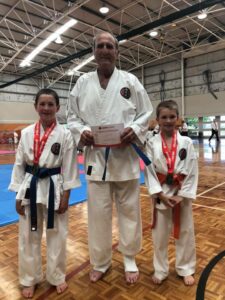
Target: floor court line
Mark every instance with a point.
(211, 198)
(210, 207)
(216, 186)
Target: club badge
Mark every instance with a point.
(125, 92)
(55, 148)
(182, 154)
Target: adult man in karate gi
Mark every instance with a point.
(105, 97)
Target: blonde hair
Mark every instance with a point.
(170, 104)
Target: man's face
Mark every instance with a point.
(105, 51)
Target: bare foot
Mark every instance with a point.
(131, 277)
(95, 275)
(28, 291)
(188, 280)
(61, 287)
(156, 280)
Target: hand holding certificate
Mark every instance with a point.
(107, 135)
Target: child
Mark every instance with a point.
(172, 182)
(44, 172)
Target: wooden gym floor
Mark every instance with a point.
(209, 217)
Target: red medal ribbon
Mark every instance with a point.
(170, 154)
(40, 144)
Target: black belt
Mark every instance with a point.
(41, 173)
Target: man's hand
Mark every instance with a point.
(20, 208)
(128, 135)
(86, 138)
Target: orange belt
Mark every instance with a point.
(177, 179)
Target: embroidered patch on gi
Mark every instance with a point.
(55, 148)
(182, 154)
(125, 92)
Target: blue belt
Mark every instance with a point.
(140, 153)
(41, 173)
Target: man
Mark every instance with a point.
(109, 96)
(214, 128)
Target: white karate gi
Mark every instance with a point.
(91, 105)
(30, 270)
(185, 245)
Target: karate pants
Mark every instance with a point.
(185, 245)
(100, 201)
(30, 263)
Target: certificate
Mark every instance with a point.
(107, 135)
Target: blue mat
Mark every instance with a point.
(8, 212)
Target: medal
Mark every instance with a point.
(170, 155)
(169, 178)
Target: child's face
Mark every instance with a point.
(46, 108)
(167, 120)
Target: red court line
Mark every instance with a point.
(77, 270)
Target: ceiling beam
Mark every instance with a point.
(135, 32)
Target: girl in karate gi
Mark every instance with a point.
(45, 171)
(172, 183)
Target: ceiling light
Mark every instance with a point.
(202, 15)
(59, 40)
(25, 64)
(104, 9)
(153, 33)
(122, 41)
(81, 65)
(46, 42)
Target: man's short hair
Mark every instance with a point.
(105, 32)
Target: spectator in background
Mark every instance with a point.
(215, 130)
(184, 128)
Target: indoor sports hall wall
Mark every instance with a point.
(162, 80)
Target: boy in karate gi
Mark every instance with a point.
(44, 172)
(172, 180)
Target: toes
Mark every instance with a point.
(95, 275)
(28, 292)
(131, 277)
(189, 280)
(61, 288)
(156, 280)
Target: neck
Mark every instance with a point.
(105, 73)
(168, 135)
(47, 124)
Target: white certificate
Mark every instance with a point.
(107, 135)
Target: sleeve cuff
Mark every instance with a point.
(71, 185)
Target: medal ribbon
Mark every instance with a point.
(40, 144)
(170, 154)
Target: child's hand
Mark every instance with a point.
(166, 200)
(20, 208)
(175, 199)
